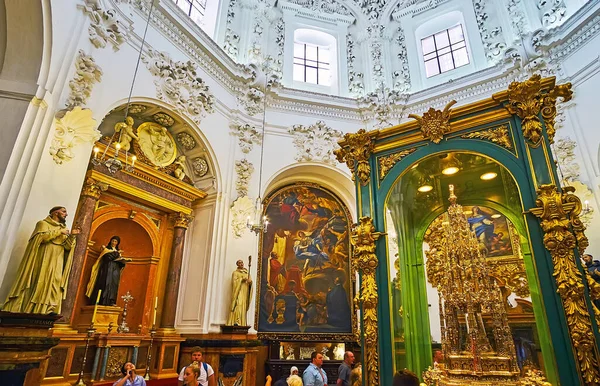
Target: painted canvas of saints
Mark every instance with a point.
(304, 269)
(491, 229)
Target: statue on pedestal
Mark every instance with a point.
(240, 296)
(106, 273)
(43, 274)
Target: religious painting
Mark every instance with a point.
(304, 265)
(491, 229)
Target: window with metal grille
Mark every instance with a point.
(312, 64)
(444, 51)
(195, 9)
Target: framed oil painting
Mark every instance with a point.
(491, 229)
(305, 286)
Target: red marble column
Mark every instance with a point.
(90, 194)
(167, 319)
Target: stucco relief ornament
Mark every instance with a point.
(200, 166)
(242, 209)
(244, 170)
(179, 85)
(315, 142)
(105, 26)
(186, 141)
(251, 99)
(87, 73)
(247, 135)
(355, 150)
(75, 127)
(435, 123)
(163, 119)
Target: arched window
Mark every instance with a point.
(444, 51)
(314, 60)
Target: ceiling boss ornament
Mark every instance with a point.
(355, 150)
(557, 213)
(435, 123)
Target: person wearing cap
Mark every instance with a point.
(42, 278)
(294, 379)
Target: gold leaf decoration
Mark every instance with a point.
(387, 162)
(549, 106)
(365, 261)
(526, 100)
(435, 123)
(498, 135)
(558, 212)
(355, 150)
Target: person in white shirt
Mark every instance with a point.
(207, 374)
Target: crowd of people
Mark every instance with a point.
(199, 373)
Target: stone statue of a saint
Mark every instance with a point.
(106, 273)
(43, 274)
(161, 143)
(240, 296)
(126, 133)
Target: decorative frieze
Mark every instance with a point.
(315, 143)
(178, 84)
(490, 30)
(87, 73)
(75, 127)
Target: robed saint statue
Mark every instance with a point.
(106, 273)
(240, 296)
(43, 274)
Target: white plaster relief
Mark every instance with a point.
(315, 142)
(552, 12)
(251, 99)
(105, 25)
(490, 30)
(356, 85)
(243, 170)
(568, 168)
(402, 77)
(241, 209)
(179, 85)
(71, 129)
(87, 73)
(247, 135)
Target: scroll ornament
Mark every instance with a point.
(435, 123)
(365, 261)
(526, 100)
(558, 212)
(355, 152)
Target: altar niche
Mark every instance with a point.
(415, 220)
(402, 188)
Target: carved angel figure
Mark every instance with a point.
(179, 171)
(126, 133)
(161, 144)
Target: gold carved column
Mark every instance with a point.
(90, 194)
(559, 213)
(172, 285)
(365, 261)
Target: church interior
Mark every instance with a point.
(299, 192)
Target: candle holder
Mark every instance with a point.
(123, 326)
(90, 332)
(149, 355)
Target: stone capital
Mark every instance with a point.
(93, 188)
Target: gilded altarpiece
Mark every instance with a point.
(497, 154)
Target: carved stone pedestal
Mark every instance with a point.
(104, 317)
(165, 355)
(24, 344)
